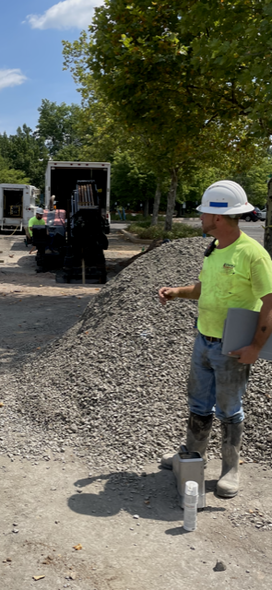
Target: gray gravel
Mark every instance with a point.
(251, 517)
(114, 386)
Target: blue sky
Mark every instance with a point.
(31, 56)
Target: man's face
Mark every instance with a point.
(208, 223)
(39, 216)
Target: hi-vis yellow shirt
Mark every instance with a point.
(236, 276)
(34, 221)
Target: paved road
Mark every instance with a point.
(116, 225)
(253, 229)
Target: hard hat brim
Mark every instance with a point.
(228, 211)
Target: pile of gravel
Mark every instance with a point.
(114, 386)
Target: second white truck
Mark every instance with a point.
(17, 205)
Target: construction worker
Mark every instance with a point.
(237, 272)
(36, 220)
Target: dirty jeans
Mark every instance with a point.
(216, 382)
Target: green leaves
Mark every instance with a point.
(9, 175)
(191, 79)
(26, 154)
(57, 125)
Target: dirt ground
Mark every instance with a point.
(36, 309)
(128, 527)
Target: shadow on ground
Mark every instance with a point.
(31, 322)
(153, 496)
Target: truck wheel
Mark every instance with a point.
(247, 218)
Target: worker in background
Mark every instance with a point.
(121, 212)
(36, 220)
(237, 272)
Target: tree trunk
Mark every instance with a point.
(171, 199)
(146, 208)
(268, 221)
(156, 205)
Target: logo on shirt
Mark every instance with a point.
(228, 268)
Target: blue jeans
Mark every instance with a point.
(217, 382)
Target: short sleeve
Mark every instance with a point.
(261, 276)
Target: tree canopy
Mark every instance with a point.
(9, 175)
(24, 152)
(131, 183)
(171, 72)
(58, 127)
(209, 58)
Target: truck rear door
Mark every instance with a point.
(13, 203)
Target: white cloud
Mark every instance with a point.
(66, 14)
(10, 78)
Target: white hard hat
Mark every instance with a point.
(225, 197)
(40, 211)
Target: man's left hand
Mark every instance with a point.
(246, 355)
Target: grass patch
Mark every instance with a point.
(140, 225)
(146, 231)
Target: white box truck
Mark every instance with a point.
(61, 180)
(17, 205)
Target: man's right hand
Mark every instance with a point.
(167, 293)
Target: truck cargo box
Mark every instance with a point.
(61, 181)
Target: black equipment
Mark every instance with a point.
(74, 247)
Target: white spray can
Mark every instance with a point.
(190, 505)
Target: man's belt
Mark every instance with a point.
(212, 339)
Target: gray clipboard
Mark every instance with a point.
(239, 329)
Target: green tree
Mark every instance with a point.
(230, 46)
(26, 153)
(131, 183)
(255, 180)
(148, 66)
(97, 125)
(161, 130)
(58, 128)
(9, 175)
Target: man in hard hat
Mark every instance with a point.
(36, 220)
(237, 272)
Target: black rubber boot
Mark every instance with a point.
(228, 484)
(198, 434)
